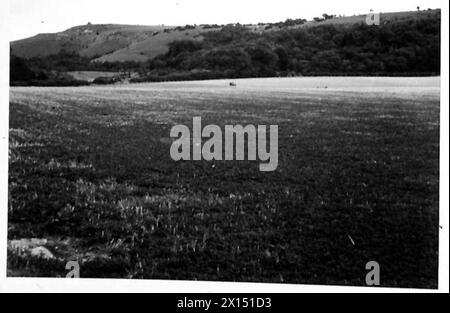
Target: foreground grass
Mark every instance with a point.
(357, 181)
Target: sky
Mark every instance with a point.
(31, 17)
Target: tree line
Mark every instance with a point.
(406, 48)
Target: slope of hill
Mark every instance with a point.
(404, 44)
(384, 18)
(121, 43)
(106, 43)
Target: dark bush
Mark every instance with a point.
(106, 80)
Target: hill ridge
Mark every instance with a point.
(139, 43)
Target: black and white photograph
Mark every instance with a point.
(276, 143)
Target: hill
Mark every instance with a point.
(122, 43)
(107, 43)
(404, 44)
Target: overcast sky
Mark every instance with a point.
(30, 17)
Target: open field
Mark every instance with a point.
(357, 181)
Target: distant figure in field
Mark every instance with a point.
(233, 84)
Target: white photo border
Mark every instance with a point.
(149, 286)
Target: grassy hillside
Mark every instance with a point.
(111, 43)
(405, 44)
(385, 18)
(120, 43)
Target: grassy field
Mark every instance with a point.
(357, 181)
